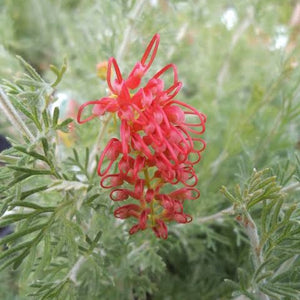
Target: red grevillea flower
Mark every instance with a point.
(159, 143)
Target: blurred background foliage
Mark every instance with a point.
(239, 63)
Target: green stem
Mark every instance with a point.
(219, 215)
(13, 116)
(97, 146)
(133, 16)
(257, 257)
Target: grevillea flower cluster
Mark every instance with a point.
(150, 165)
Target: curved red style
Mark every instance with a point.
(159, 144)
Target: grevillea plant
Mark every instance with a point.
(158, 145)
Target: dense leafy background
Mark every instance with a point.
(239, 63)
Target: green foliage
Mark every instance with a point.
(275, 242)
(66, 243)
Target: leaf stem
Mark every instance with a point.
(291, 187)
(75, 269)
(97, 146)
(13, 116)
(135, 13)
(257, 256)
(219, 215)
